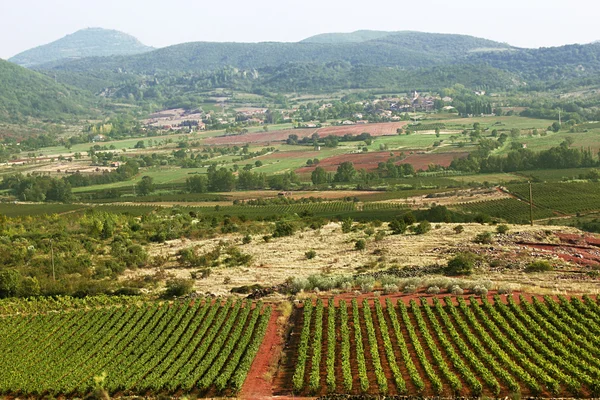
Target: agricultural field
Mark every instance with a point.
(565, 198)
(203, 346)
(497, 346)
(18, 210)
(511, 210)
(370, 160)
(379, 129)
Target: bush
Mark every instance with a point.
(422, 228)
(390, 288)
(398, 227)
(379, 236)
(483, 238)
(461, 264)
(502, 229)
(539, 266)
(347, 225)
(433, 290)
(369, 231)
(410, 289)
(367, 287)
(283, 228)
(310, 254)
(179, 287)
(480, 290)
(456, 290)
(459, 229)
(247, 239)
(360, 244)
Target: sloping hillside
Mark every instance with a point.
(404, 49)
(25, 93)
(351, 37)
(84, 43)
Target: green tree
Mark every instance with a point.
(10, 283)
(319, 176)
(145, 186)
(345, 172)
(197, 184)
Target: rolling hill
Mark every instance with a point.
(84, 43)
(403, 49)
(351, 37)
(25, 93)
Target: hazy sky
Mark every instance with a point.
(526, 23)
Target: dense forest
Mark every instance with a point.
(25, 93)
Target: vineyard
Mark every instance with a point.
(511, 210)
(149, 347)
(566, 198)
(450, 347)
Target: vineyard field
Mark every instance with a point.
(566, 198)
(511, 210)
(200, 346)
(446, 347)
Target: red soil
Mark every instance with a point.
(422, 161)
(370, 161)
(581, 250)
(382, 129)
(258, 383)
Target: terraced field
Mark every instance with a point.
(450, 347)
(200, 346)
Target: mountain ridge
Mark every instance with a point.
(83, 43)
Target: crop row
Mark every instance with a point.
(455, 347)
(150, 347)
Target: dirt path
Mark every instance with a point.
(258, 384)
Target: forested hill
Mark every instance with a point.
(84, 43)
(352, 37)
(25, 93)
(404, 49)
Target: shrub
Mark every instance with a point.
(502, 229)
(360, 244)
(398, 227)
(179, 287)
(379, 236)
(370, 231)
(283, 228)
(480, 290)
(367, 287)
(390, 288)
(247, 239)
(422, 228)
(456, 290)
(539, 266)
(433, 290)
(310, 254)
(410, 289)
(483, 238)
(459, 229)
(347, 225)
(505, 290)
(267, 238)
(461, 264)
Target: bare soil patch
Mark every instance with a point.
(380, 129)
(371, 160)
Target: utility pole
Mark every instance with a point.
(559, 117)
(530, 203)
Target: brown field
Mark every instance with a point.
(422, 161)
(382, 129)
(369, 161)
